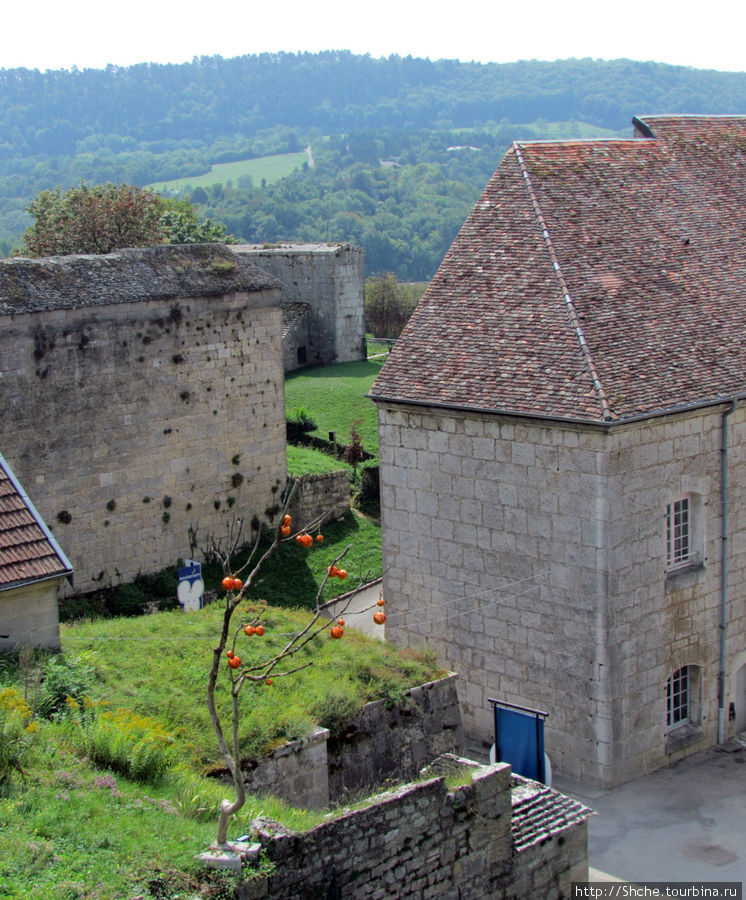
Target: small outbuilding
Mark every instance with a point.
(32, 565)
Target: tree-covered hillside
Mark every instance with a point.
(156, 122)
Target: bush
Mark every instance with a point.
(16, 732)
(64, 677)
(298, 423)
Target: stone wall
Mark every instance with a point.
(325, 496)
(531, 557)
(396, 741)
(131, 422)
(382, 742)
(330, 278)
(28, 616)
(425, 841)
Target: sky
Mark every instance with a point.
(93, 34)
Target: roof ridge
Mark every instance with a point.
(606, 411)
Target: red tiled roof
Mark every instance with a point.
(594, 280)
(27, 551)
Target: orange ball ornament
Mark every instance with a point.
(379, 618)
(259, 630)
(336, 632)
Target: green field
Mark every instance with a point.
(270, 168)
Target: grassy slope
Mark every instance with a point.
(271, 168)
(335, 398)
(71, 830)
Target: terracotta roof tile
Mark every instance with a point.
(593, 280)
(27, 550)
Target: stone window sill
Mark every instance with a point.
(682, 736)
(683, 577)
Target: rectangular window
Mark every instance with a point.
(677, 696)
(678, 533)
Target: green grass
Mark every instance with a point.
(74, 830)
(307, 461)
(271, 168)
(335, 398)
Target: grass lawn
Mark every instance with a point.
(307, 461)
(76, 827)
(271, 168)
(334, 396)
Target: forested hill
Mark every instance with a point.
(399, 148)
(53, 112)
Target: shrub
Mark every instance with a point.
(64, 677)
(298, 423)
(136, 746)
(16, 732)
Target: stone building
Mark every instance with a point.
(562, 448)
(142, 395)
(323, 306)
(32, 565)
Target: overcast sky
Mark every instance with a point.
(93, 33)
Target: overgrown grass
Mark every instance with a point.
(76, 829)
(335, 398)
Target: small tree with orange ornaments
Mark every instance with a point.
(276, 665)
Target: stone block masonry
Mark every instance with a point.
(330, 280)
(427, 841)
(531, 556)
(136, 408)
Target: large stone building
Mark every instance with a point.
(142, 395)
(562, 447)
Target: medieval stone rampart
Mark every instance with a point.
(142, 394)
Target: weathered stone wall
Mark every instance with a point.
(131, 422)
(331, 279)
(396, 741)
(531, 556)
(383, 742)
(28, 616)
(325, 496)
(425, 841)
(297, 772)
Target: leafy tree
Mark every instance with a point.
(388, 305)
(107, 217)
(96, 219)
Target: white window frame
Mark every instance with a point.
(683, 698)
(684, 532)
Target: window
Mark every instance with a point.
(684, 532)
(677, 698)
(683, 699)
(677, 533)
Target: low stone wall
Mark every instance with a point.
(326, 495)
(396, 742)
(296, 772)
(426, 841)
(382, 742)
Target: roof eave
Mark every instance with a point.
(604, 424)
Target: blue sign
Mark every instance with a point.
(191, 589)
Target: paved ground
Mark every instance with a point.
(358, 611)
(683, 823)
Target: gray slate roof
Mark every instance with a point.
(127, 276)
